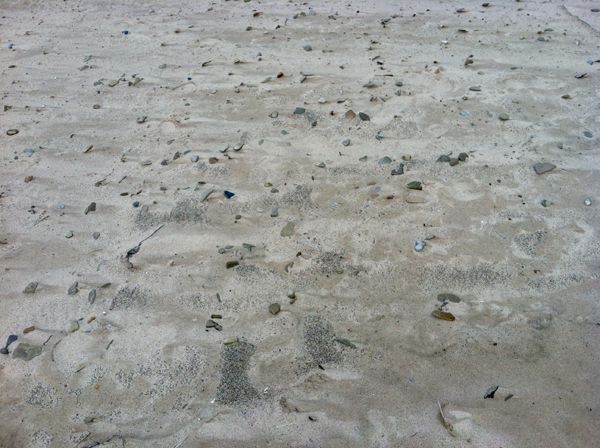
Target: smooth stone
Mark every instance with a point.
(448, 297)
(274, 114)
(274, 212)
(26, 351)
(543, 167)
(92, 296)
(398, 84)
(453, 161)
(195, 158)
(545, 203)
(288, 229)
(73, 289)
(30, 288)
(463, 156)
(307, 47)
(350, 115)
(475, 89)
(503, 116)
(299, 110)
(90, 208)
(385, 161)
(69, 234)
(379, 135)
(587, 201)
(420, 245)
(3, 351)
(588, 134)
(346, 142)
(414, 185)
(72, 326)
(443, 158)
(363, 116)
(274, 309)
(96, 235)
(231, 264)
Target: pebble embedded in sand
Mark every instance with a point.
(363, 116)
(274, 308)
(30, 288)
(73, 289)
(307, 47)
(414, 185)
(346, 142)
(288, 229)
(12, 132)
(26, 351)
(503, 116)
(90, 208)
(543, 167)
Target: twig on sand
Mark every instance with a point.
(134, 250)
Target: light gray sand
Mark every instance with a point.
(357, 360)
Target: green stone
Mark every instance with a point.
(414, 185)
(288, 230)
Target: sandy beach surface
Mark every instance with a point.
(300, 224)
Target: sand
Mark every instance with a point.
(166, 105)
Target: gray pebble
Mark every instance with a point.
(307, 47)
(194, 158)
(274, 212)
(299, 111)
(453, 161)
(543, 167)
(69, 234)
(503, 116)
(398, 171)
(448, 297)
(92, 296)
(274, 114)
(420, 245)
(274, 309)
(346, 142)
(30, 288)
(475, 89)
(26, 351)
(288, 229)
(363, 116)
(443, 158)
(72, 326)
(587, 201)
(385, 161)
(463, 156)
(90, 208)
(588, 134)
(96, 235)
(73, 289)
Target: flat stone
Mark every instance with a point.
(72, 326)
(503, 116)
(195, 158)
(443, 158)
(26, 351)
(398, 171)
(299, 111)
(588, 134)
(288, 229)
(346, 142)
(231, 264)
(475, 89)
(453, 161)
(448, 297)
(30, 288)
(414, 185)
(73, 289)
(543, 167)
(385, 161)
(363, 116)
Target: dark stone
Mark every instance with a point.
(363, 116)
(463, 156)
(414, 185)
(543, 167)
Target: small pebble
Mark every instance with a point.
(503, 116)
(363, 116)
(73, 289)
(307, 47)
(448, 297)
(230, 341)
(420, 245)
(299, 111)
(96, 235)
(414, 185)
(194, 158)
(12, 132)
(443, 315)
(228, 194)
(587, 201)
(588, 134)
(346, 142)
(90, 208)
(92, 296)
(274, 212)
(136, 204)
(453, 161)
(30, 288)
(231, 264)
(72, 326)
(69, 234)
(274, 309)
(543, 167)
(463, 156)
